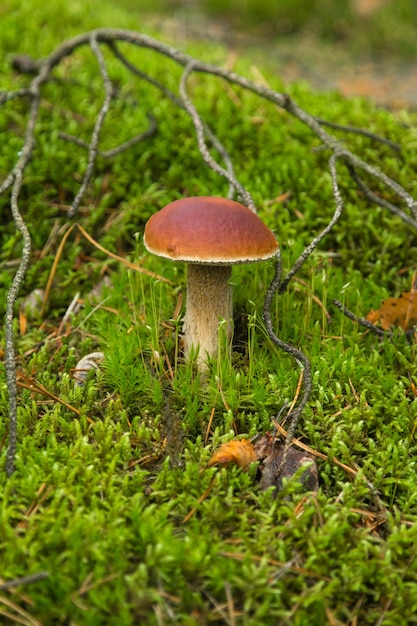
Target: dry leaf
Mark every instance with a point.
(401, 312)
(268, 451)
(296, 460)
(240, 452)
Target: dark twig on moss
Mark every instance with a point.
(181, 105)
(15, 180)
(244, 195)
(362, 320)
(359, 131)
(109, 154)
(11, 299)
(278, 286)
(301, 359)
(25, 580)
(313, 245)
(376, 199)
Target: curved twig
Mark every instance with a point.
(301, 359)
(245, 196)
(373, 197)
(93, 149)
(313, 245)
(112, 152)
(359, 131)
(362, 321)
(181, 105)
(278, 286)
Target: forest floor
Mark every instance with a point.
(115, 513)
(390, 80)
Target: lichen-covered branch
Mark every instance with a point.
(228, 174)
(313, 245)
(93, 147)
(300, 358)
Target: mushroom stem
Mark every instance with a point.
(209, 301)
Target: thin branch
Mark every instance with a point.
(359, 131)
(245, 196)
(7, 96)
(278, 286)
(362, 321)
(301, 359)
(25, 580)
(93, 148)
(181, 105)
(373, 197)
(313, 245)
(347, 156)
(10, 363)
(109, 154)
(10, 302)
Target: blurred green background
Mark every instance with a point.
(366, 26)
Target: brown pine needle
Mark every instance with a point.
(19, 615)
(320, 455)
(297, 392)
(315, 298)
(35, 504)
(200, 500)
(355, 393)
(54, 268)
(208, 429)
(132, 266)
(29, 383)
(299, 570)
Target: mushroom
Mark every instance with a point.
(210, 234)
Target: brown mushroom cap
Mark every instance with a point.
(209, 230)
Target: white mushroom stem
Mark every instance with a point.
(209, 301)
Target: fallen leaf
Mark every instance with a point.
(268, 451)
(401, 312)
(296, 460)
(240, 452)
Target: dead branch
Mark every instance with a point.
(300, 358)
(25, 580)
(278, 286)
(109, 154)
(362, 321)
(360, 131)
(244, 195)
(201, 127)
(93, 148)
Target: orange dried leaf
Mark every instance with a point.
(240, 452)
(401, 312)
